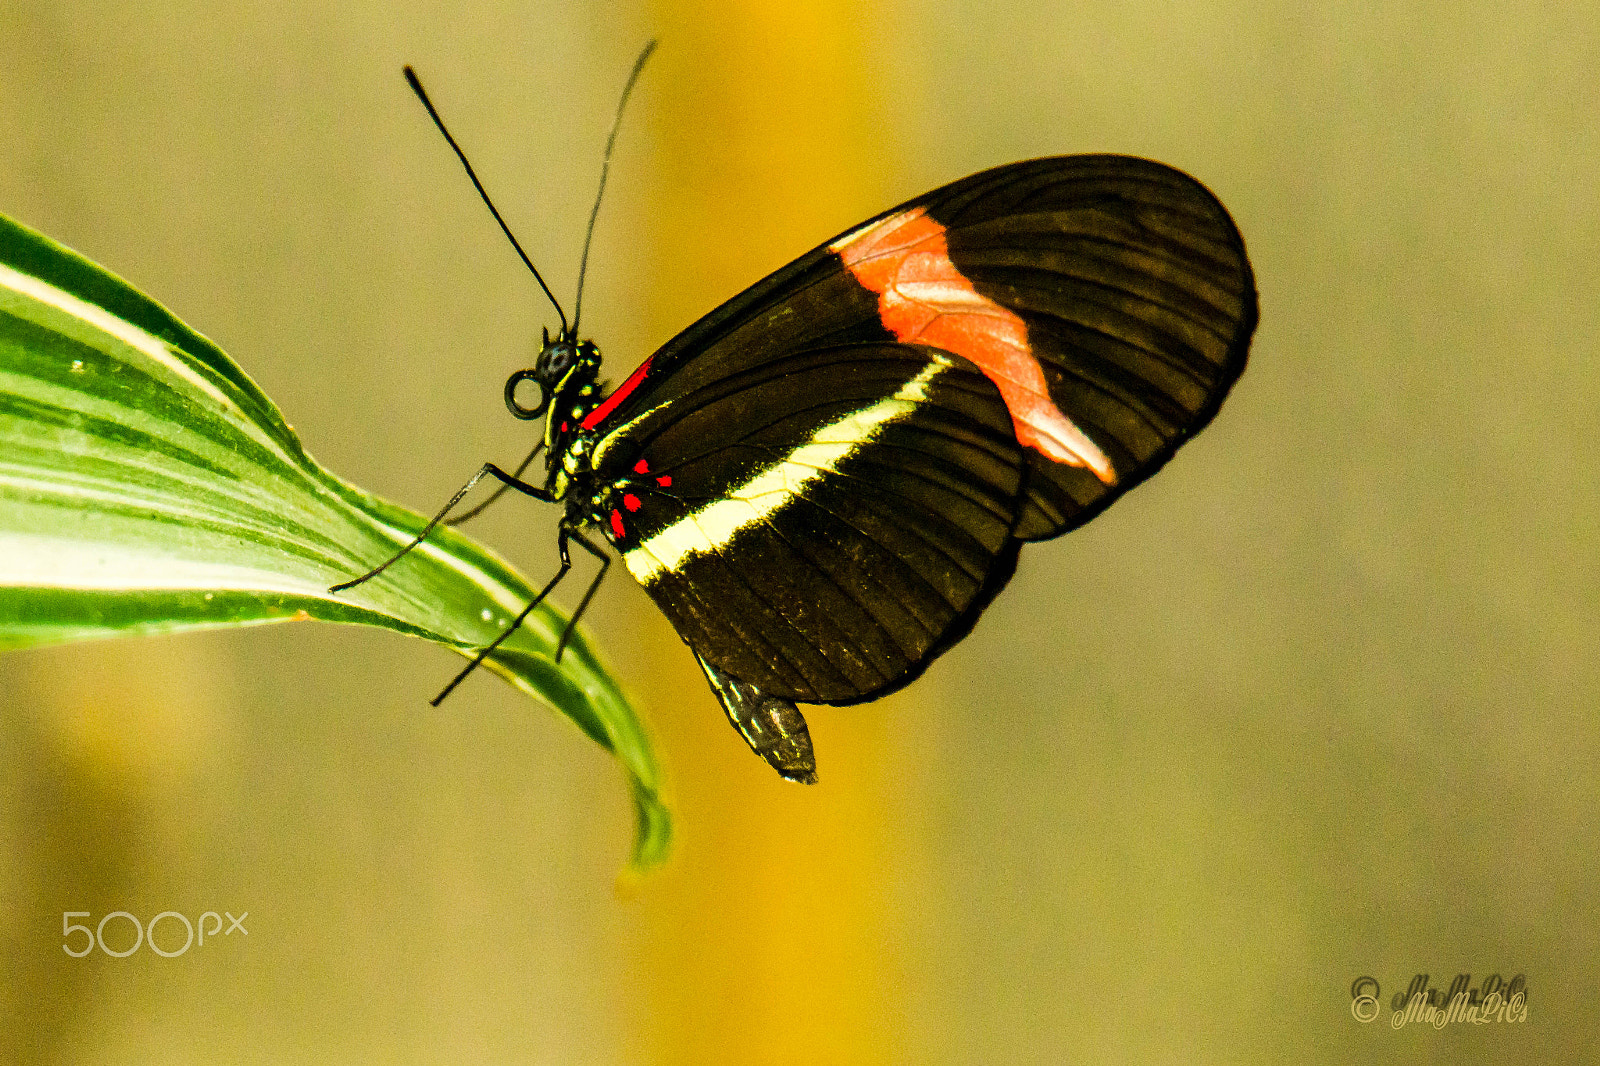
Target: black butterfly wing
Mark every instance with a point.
(1129, 276)
(1139, 304)
(818, 524)
(819, 515)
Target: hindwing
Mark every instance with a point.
(818, 525)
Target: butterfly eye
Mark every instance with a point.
(511, 395)
(556, 359)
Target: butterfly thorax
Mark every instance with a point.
(568, 375)
(582, 473)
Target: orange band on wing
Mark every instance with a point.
(924, 299)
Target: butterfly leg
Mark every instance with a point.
(498, 492)
(566, 565)
(605, 564)
(507, 481)
(774, 728)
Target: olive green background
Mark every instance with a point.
(1316, 703)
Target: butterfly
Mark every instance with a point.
(824, 482)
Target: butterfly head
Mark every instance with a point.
(566, 373)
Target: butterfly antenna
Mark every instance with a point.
(416, 87)
(605, 169)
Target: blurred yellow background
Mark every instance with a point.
(1317, 703)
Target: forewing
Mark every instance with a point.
(1138, 300)
(1121, 283)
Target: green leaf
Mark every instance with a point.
(148, 486)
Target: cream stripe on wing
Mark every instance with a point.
(715, 525)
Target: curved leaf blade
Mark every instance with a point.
(147, 485)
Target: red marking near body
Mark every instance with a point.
(665, 480)
(924, 299)
(616, 523)
(595, 417)
(563, 426)
(630, 501)
(642, 466)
